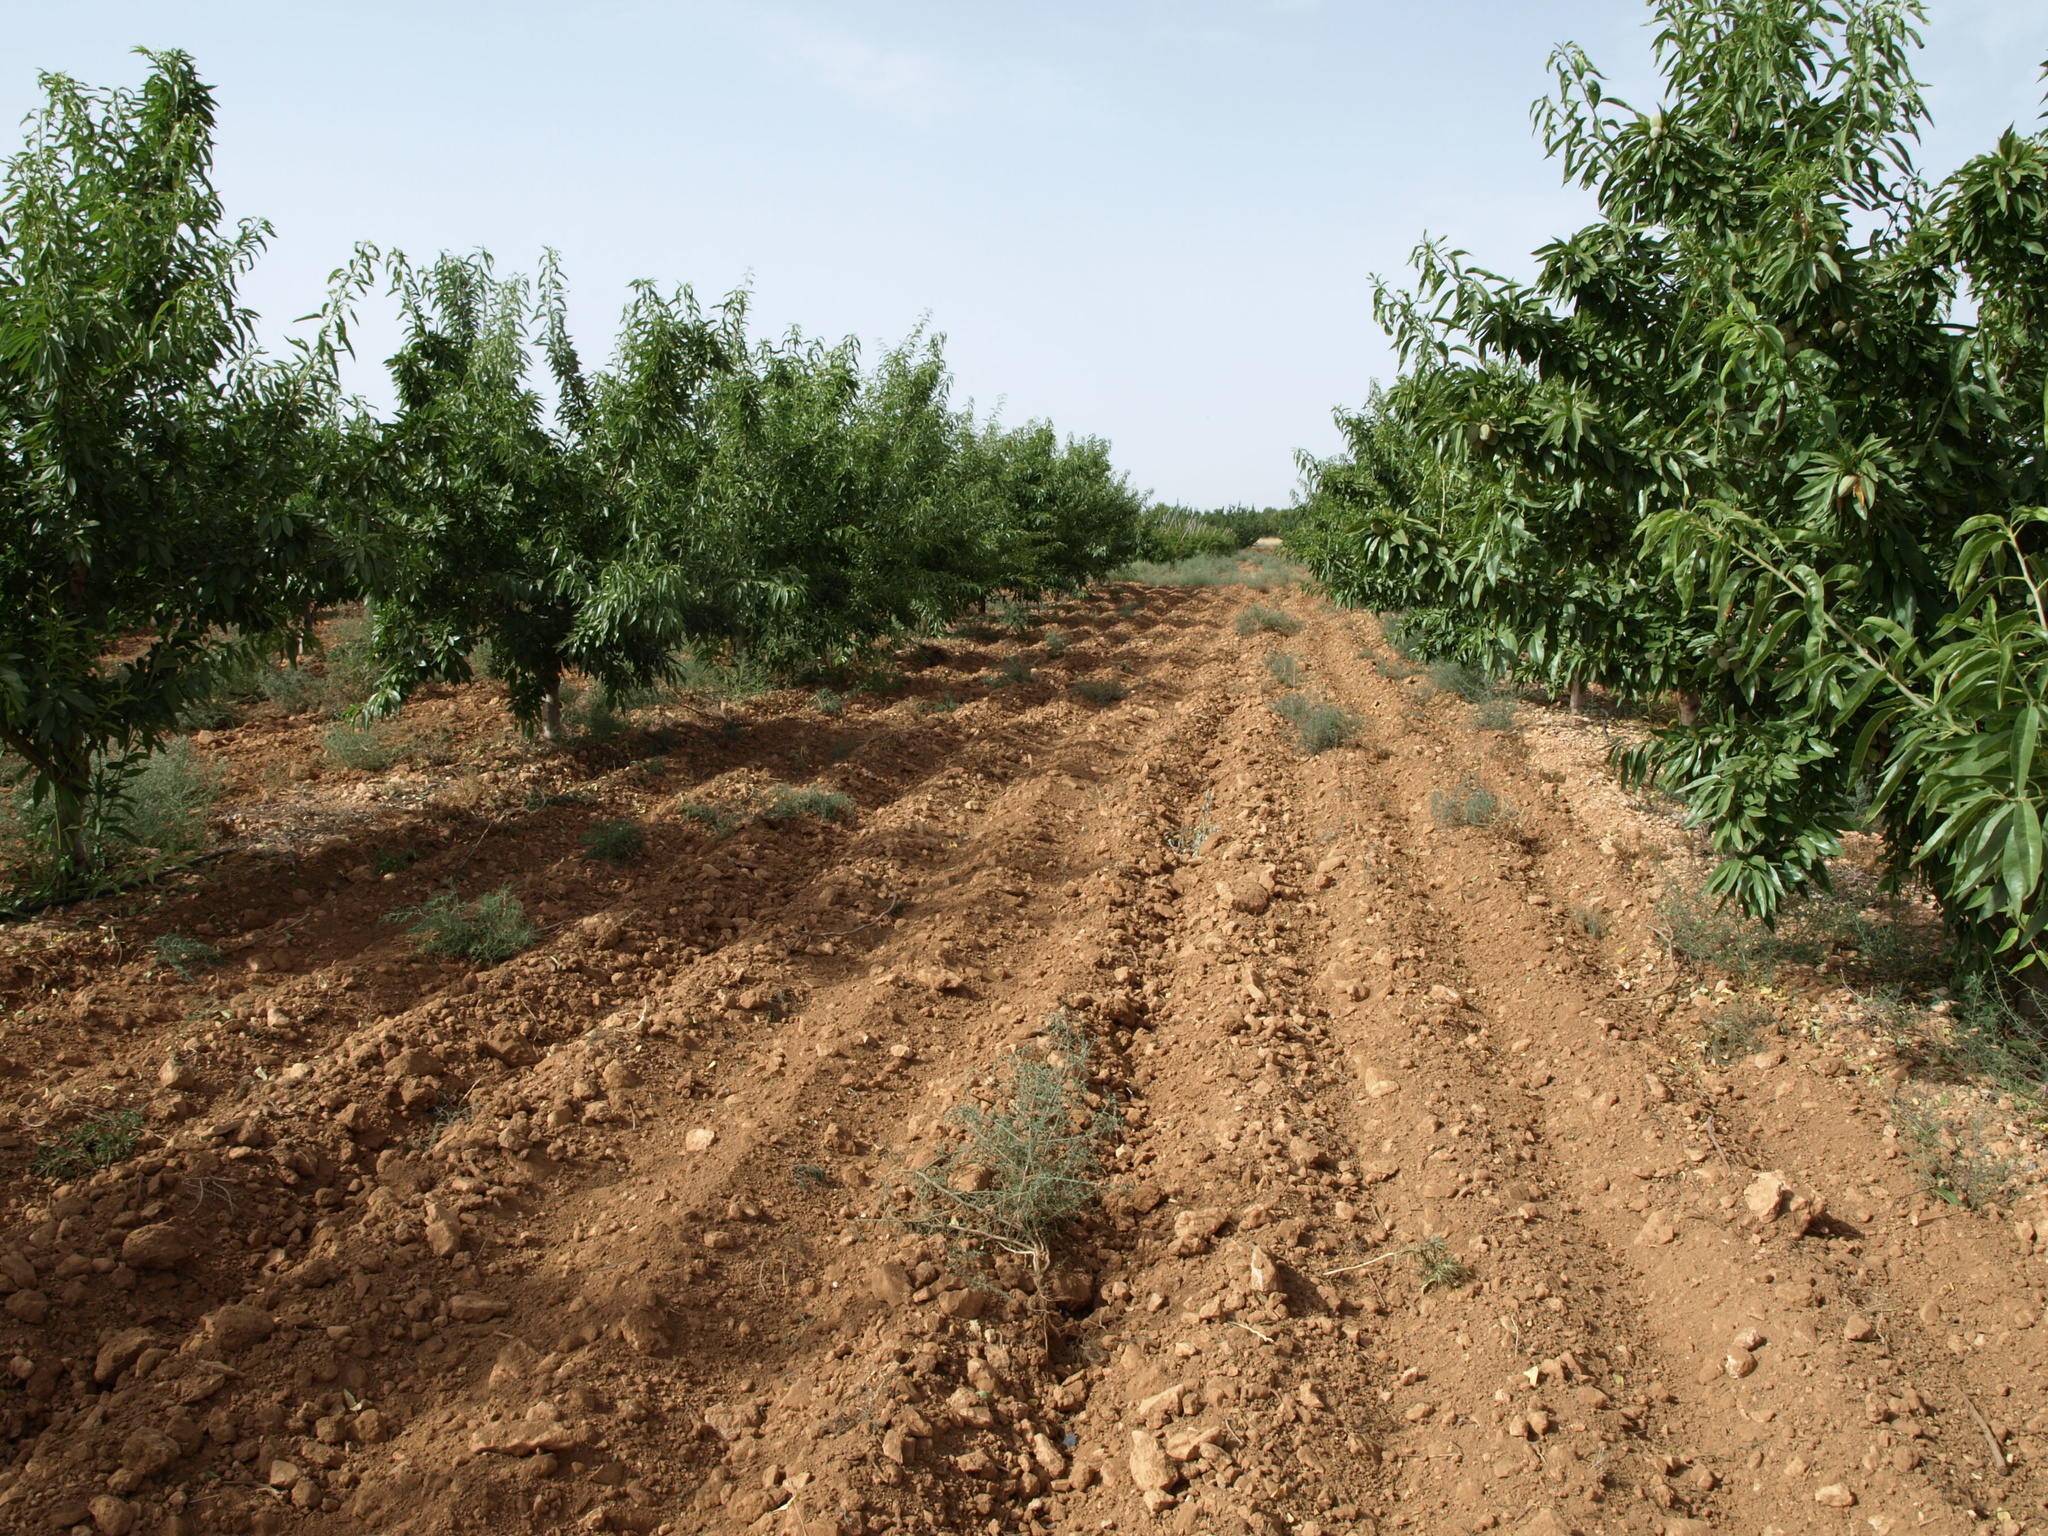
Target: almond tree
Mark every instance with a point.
(163, 487)
(1060, 514)
(1739, 438)
(844, 505)
(542, 537)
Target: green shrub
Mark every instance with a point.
(1950, 1155)
(1189, 840)
(209, 715)
(1733, 1032)
(1258, 617)
(1318, 725)
(642, 696)
(1468, 683)
(1016, 618)
(616, 842)
(544, 799)
(330, 681)
(362, 748)
(715, 819)
(1472, 804)
(492, 928)
(1247, 525)
(181, 954)
(1883, 936)
(1016, 1169)
(1401, 640)
(1709, 934)
(1170, 533)
(786, 802)
(164, 806)
(1168, 547)
(733, 680)
(590, 715)
(1204, 570)
(1989, 1034)
(142, 813)
(1099, 690)
(1056, 642)
(1495, 714)
(1395, 670)
(1015, 669)
(826, 702)
(389, 861)
(1180, 547)
(1285, 668)
(434, 748)
(1975, 1034)
(944, 704)
(99, 1142)
(295, 688)
(1324, 726)
(1436, 1267)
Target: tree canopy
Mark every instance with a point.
(168, 494)
(1768, 434)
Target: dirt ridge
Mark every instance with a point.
(1428, 1214)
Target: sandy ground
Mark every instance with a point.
(1428, 1213)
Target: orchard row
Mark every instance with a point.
(180, 506)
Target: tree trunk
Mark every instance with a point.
(1688, 708)
(72, 848)
(551, 713)
(70, 771)
(67, 770)
(1581, 696)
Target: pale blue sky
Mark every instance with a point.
(1155, 222)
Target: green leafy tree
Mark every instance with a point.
(847, 505)
(823, 523)
(547, 539)
(1740, 439)
(164, 488)
(1057, 513)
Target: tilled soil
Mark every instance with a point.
(1427, 1212)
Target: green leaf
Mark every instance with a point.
(2021, 867)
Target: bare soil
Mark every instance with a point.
(1429, 1212)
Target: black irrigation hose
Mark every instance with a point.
(22, 910)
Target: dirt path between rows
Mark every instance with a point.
(1428, 1213)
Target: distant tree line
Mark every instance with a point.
(1172, 532)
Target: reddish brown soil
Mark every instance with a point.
(594, 1238)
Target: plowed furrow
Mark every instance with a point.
(1428, 1211)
